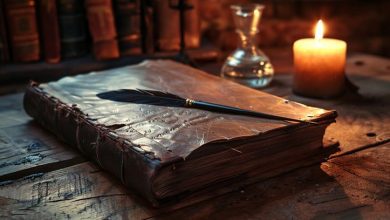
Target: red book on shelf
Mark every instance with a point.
(102, 28)
(22, 26)
(168, 25)
(50, 31)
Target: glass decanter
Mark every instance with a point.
(248, 65)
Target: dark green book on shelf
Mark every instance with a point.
(170, 154)
(73, 28)
(127, 18)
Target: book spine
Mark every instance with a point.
(50, 31)
(23, 32)
(192, 20)
(147, 23)
(4, 51)
(102, 28)
(127, 17)
(114, 154)
(167, 31)
(168, 25)
(72, 26)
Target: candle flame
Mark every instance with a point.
(319, 33)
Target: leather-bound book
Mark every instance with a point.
(168, 25)
(4, 49)
(73, 29)
(50, 31)
(147, 18)
(23, 32)
(102, 28)
(127, 17)
(170, 153)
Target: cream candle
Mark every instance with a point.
(319, 65)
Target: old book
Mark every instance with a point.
(23, 32)
(50, 31)
(72, 24)
(127, 17)
(167, 153)
(4, 49)
(168, 25)
(147, 24)
(102, 28)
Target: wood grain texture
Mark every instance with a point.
(26, 148)
(351, 186)
(81, 191)
(11, 111)
(11, 102)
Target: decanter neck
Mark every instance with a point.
(247, 41)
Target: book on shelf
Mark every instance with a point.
(23, 32)
(73, 29)
(127, 17)
(4, 48)
(192, 20)
(50, 33)
(167, 24)
(172, 153)
(147, 24)
(102, 28)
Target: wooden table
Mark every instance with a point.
(42, 178)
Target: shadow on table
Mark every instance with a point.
(305, 193)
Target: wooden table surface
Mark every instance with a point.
(41, 177)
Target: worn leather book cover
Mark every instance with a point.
(50, 31)
(170, 153)
(23, 32)
(168, 25)
(4, 49)
(127, 18)
(102, 28)
(73, 29)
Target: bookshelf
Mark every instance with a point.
(41, 71)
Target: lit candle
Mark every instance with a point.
(319, 65)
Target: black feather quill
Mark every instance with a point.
(149, 97)
(152, 97)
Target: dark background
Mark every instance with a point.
(364, 24)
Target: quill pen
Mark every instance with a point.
(159, 98)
